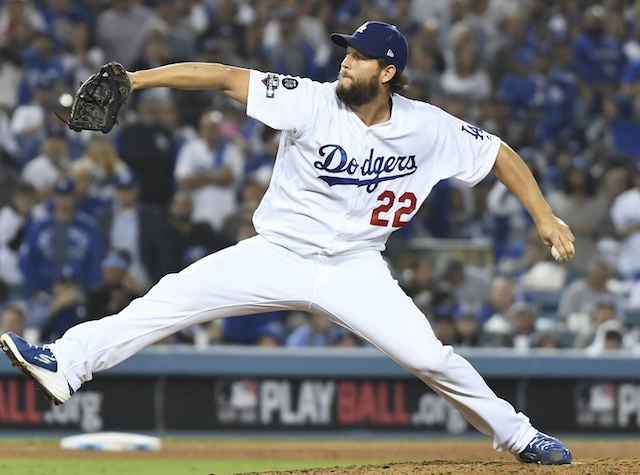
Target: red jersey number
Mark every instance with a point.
(388, 199)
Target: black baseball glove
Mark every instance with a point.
(99, 99)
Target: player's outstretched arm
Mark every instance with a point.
(511, 170)
(229, 80)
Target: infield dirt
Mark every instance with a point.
(398, 457)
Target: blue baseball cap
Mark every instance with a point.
(378, 40)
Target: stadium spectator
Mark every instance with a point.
(41, 62)
(289, 51)
(582, 294)
(119, 30)
(15, 12)
(211, 167)
(609, 336)
(14, 220)
(586, 325)
(171, 22)
(185, 233)
(137, 228)
(511, 222)
(444, 327)
(9, 176)
(584, 210)
(239, 225)
(52, 163)
(61, 15)
(317, 331)
(420, 282)
(468, 330)
(631, 46)
(272, 334)
(13, 318)
(468, 283)
(105, 163)
(518, 87)
(249, 329)
(155, 50)
(28, 124)
(65, 236)
(625, 214)
(630, 79)
(466, 77)
(81, 57)
(427, 62)
(515, 37)
(55, 311)
(502, 296)
(498, 120)
(146, 146)
(117, 289)
(519, 328)
(87, 199)
(536, 270)
(597, 56)
(556, 95)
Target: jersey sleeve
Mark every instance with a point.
(469, 152)
(281, 102)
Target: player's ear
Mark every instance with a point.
(387, 74)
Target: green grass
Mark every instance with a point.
(69, 466)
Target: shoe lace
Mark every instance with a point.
(541, 442)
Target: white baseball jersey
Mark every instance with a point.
(340, 186)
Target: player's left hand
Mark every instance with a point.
(555, 232)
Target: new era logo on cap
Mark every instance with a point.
(378, 40)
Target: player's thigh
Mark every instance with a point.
(364, 297)
(251, 277)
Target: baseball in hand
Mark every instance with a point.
(556, 254)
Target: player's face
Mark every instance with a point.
(359, 78)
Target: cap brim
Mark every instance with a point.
(340, 39)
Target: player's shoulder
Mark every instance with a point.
(414, 106)
(412, 113)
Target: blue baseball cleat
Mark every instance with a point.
(39, 364)
(545, 450)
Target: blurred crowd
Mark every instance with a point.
(89, 222)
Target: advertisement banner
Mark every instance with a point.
(313, 404)
(584, 405)
(110, 404)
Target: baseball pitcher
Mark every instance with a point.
(356, 160)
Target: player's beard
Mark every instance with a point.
(359, 92)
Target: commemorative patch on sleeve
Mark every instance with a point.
(271, 83)
(289, 83)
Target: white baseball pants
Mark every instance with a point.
(254, 276)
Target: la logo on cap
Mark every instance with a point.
(363, 27)
(390, 53)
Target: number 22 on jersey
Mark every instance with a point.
(407, 201)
